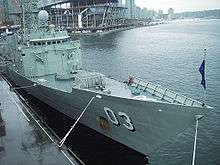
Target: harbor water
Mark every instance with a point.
(170, 55)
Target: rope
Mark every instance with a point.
(73, 126)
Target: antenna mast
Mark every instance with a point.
(29, 15)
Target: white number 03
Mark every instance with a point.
(113, 118)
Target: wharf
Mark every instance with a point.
(23, 138)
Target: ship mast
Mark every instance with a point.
(29, 16)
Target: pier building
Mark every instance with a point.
(75, 15)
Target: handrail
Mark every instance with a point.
(164, 93)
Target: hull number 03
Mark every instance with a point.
(114, 119)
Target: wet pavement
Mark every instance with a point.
(23, 140)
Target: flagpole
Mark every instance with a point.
(204, 94)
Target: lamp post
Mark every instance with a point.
(76, 122)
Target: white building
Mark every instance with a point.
(170, 13)
(120, 3)
(130, 4)
(138, 14)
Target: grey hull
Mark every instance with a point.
(154, 122)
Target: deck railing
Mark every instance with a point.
(164, 93)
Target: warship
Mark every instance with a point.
(137, 114)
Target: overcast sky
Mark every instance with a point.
(179, 5)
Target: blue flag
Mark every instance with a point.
(202, 72)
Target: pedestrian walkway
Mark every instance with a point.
(23, 140)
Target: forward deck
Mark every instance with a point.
(98, 83)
